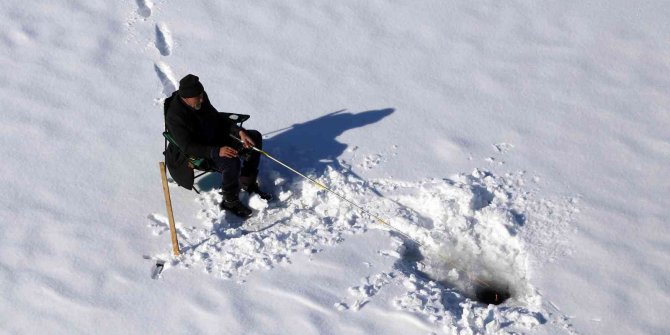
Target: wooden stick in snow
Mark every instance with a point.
(168, 204)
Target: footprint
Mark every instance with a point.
(163, 39)
(144, 8)
(503, 147)
(166, 77)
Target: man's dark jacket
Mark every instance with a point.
(198, 133)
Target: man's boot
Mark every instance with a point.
(250, 186)
(231, 202)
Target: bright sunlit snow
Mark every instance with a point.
(514, 149)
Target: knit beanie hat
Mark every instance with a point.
(190, 86)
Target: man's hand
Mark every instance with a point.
(227, 152)
(246, 140)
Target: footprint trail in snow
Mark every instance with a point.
(167, 79)
(164, 41)
(144, 8)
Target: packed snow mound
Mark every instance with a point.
(464, 234)
(469, 227)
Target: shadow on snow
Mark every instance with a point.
(308, 147)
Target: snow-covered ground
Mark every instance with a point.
(520, 146)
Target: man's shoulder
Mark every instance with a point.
(175, 107)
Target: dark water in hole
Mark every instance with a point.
(492, 295)
(486, 291)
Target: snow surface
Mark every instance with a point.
(522, 145)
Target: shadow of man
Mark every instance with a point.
(311, 146)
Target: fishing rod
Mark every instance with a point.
(324, 187)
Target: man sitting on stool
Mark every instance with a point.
(202, 132)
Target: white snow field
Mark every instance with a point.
(518, 146)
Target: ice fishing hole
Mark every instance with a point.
(486, 290)
(491, 294)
